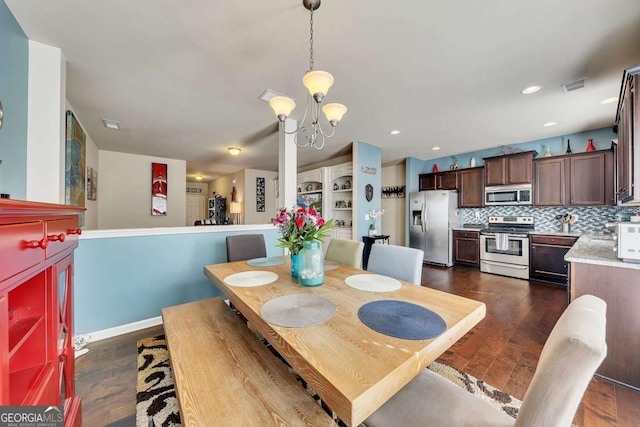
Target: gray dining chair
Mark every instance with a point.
(344, 251)
(399, 262)
(574, 350)
(245, 246)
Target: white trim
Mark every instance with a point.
(165, 231)
(124, 329)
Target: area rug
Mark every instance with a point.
(156, 396)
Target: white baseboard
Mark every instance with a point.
(124, 329)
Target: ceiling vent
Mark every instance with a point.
(578, 84)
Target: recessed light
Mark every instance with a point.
(234, 151)
(198, 177)
(609, 100)
(394, 132)
(111, 124)
(435, 148)
(549, 124)
(531, 89)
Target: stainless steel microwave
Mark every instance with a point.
(508, 195)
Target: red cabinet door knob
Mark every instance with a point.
(37, 244)
(56, 237)
(77, 231)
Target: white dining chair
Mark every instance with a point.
(399, 262)
(574, 350)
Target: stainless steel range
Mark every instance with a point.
(504, 246)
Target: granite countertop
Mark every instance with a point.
(557, 233)
(466, 229)
(599, 250)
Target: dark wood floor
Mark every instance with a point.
(502, 350)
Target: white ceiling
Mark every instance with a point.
(183, 77)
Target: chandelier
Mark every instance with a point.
(317, 83)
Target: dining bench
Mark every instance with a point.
(225, 376)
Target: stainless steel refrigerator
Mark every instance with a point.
(432, 215)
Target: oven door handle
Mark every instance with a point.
(502, 264)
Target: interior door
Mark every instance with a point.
(195, 209)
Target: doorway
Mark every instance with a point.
(195, 209)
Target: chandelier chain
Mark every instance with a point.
(311, 40)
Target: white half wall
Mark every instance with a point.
(124, 191)
(46, 124)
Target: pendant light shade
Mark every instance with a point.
(317, 82)
(282, 106)
(334, 112)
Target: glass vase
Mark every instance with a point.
(311, 264)
(294, 266)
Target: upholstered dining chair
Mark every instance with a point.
(245, 246)
(344, 251)
(400, 262)
(574, 350)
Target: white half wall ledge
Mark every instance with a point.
(166, 231)
(124, 329)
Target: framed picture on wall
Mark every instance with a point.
(158, 188)
(260, 201)
(92, 183)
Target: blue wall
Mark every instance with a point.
(14, 73)
(121, 280)
(368, 156)
(558, 145)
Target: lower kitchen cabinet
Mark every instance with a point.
(619, 287)
(466, 247)
(547, 257)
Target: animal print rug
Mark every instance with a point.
(156, 396)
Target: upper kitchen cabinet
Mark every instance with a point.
(471, 188)
(584, 179)
(509, 169)
(628, 124)
(438, 181)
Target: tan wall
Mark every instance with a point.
(393, 219)
(124, 191)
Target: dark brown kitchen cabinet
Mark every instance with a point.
(466, 247)
(549, 179)
(618, 287)
(583, 179)
(471, 188)
(509, 169)
(628, 127)
(547, 257)
(438, 181)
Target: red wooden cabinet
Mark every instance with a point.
(37, 241)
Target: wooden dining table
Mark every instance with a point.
(353, 368)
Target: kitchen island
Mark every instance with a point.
(596, 270)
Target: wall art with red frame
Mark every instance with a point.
(158, 188)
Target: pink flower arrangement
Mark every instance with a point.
(299, 225)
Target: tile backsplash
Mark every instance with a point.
(590, 219)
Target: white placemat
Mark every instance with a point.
(251, 278)
(266, 261)
(373, 282)
(330, 265)
(297, 310)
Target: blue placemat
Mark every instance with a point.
(402, 320)
(266, 262)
